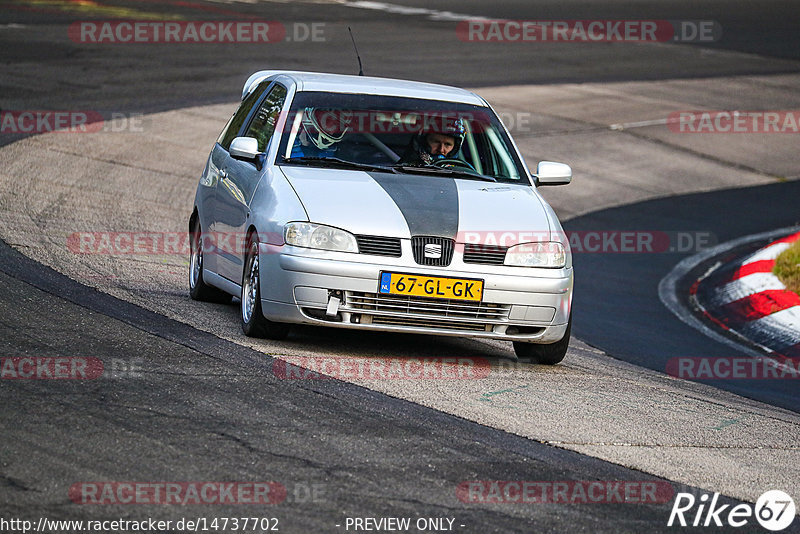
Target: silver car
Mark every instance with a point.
(390, 205)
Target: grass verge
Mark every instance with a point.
(787, 267)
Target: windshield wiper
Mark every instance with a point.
(334, 162)
(411, 169)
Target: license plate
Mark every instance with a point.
(431, 286)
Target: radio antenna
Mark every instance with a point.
(360, 69)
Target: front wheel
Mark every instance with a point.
(254, 324)
(549, 354)
(198, 289)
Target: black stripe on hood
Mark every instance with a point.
(428, 203)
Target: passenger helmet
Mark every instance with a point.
(322, 127)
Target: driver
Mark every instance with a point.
(442, 141)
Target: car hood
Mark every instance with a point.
(402, 205)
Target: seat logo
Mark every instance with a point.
(433, 251)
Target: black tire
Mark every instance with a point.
(254, 324)
(549, 354)
(198, 289)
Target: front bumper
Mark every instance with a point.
(519, 304)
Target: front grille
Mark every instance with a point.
(435, 251)
(379, 246)
(427, 312)
(484, 254)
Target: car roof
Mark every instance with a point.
(342, 83)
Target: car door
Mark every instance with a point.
(206, 200)
(237, 183)
(212, 176)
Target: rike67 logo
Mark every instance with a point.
(774, 510)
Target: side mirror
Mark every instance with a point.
(552, 173)
(246, 148)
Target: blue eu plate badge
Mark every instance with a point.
(386, 280)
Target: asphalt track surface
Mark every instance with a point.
(623, 289)
(205, 408)
(188, 406)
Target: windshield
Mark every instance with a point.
(403, 135)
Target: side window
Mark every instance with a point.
(263, 124)
(235, 122)
(504, 166)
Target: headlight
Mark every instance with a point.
(310, 235)
(549, 254)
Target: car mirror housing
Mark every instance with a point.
(553, 173)
(246, 148)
